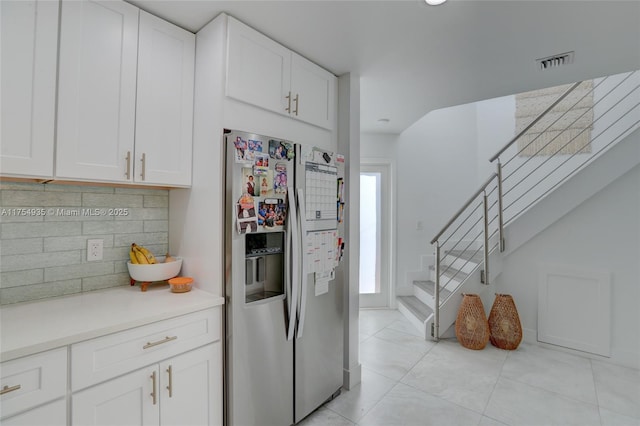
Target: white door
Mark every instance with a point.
(192, 388)
(164, 110)
(29, 57)
(130, 400)
(96, 89)
(375, 235)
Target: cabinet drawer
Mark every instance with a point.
(33, 380)
(103, 358)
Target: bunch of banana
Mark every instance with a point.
(141, 255)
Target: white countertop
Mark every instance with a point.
(32, 327)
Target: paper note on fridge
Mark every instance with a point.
(321, 251)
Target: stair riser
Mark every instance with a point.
(410, 317)
(423, 296)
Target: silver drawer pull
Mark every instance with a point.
(159, 342)
(8, 389)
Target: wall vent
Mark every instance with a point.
(555, 61)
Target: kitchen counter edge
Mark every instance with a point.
(32, 327)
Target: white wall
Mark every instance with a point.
(602, 233)
(378, 145)
(436, 172)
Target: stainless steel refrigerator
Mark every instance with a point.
(284, 315)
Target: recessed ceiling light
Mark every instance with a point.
(434, 2)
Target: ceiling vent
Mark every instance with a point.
(555, 61)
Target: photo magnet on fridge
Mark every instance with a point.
(280, 179)
(246, 218)
(241, 150)
(272, 213)
(250, 183)
(281, 150)
(261, 164)
(266, 184)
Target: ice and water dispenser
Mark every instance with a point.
(264, 266)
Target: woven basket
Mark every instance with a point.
(472, 327)
(504, 323)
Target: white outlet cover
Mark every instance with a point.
(94, 250)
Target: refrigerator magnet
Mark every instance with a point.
(250, 185)
(272, 213)
(261, 164)
(280, 150)
(255, 145)
(280, 179)
(241, 150)
(266, 184)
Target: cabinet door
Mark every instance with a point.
(97, 89)
(52, 414)
(29, 48)
(313, 89)
(192, 388)
(258, 68)
(126, 401)
(164, 111)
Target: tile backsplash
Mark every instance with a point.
(44, 230)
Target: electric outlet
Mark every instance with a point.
(94, 250)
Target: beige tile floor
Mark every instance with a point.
(409, 381)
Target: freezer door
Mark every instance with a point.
(319, 351)
(258, 356)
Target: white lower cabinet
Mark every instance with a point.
(29, 382)
(184, 390)
(165, 373)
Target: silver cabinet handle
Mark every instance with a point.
(297, 101)
(159, 342)
(153, 392)
(170, 386)
(288, 98)
(128, 158)
(8, 389)
(144, 165)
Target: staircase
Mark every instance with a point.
(469, 248)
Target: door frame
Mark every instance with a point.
(387, 211)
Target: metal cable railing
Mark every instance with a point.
(519, 182)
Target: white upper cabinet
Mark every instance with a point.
(125, 98)
(258, 68)
(97, 90)
(164, 111)
(264, 73)
(314, 89)
(29, 32)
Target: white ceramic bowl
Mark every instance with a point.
(156, 272)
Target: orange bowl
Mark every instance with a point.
(181, 284)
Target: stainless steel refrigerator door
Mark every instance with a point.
(319, 351)
(258, 356)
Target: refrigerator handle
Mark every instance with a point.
(303, 267)
(292, 271)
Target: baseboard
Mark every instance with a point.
(352, 377)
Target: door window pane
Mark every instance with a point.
(370, 233)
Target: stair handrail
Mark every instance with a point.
(464, 207)
(500, 178)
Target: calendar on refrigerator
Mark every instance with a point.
(320, 198)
